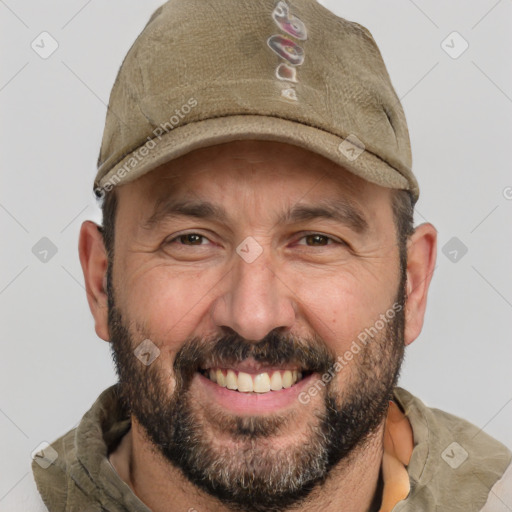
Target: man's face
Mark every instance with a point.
(261, 266)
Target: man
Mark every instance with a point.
(258, 276)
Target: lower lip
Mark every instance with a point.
(252, 403)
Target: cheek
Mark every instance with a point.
(168, 302)
(340, 306)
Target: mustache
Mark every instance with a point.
(309, 353)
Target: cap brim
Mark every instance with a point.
(183, 139)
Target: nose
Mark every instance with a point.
(255, 301)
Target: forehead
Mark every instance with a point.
(251, 160)
(257, 174)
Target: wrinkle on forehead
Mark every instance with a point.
(246, 160)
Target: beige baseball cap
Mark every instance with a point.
(206, 72)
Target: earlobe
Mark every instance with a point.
(421, 260)
(94, 261)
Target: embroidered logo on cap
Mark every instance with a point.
(289, 23)
(287, 49)
(291, 52)
(287, 73)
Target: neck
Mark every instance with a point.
(350, 487)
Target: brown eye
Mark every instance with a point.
(317, 240)
(320, 240)
(191, 239)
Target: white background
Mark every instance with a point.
(52, 366)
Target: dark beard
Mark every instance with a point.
(255, 477)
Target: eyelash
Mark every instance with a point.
(305, 235)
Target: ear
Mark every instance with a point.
(94, 261)
(421, 260)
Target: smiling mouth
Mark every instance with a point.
(261, 382)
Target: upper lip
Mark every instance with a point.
(250, 365)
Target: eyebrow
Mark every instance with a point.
(339, 210)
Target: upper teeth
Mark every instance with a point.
(261, 383)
